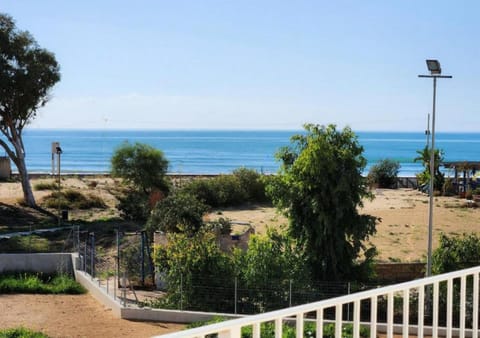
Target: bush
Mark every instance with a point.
(180, 212)
(72, 199)
(46, 186)
(456, 253)
(134, 205)
(38, 283)
(384, 173)
(252, 183)
(21, 332)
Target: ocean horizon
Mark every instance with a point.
(222, 151)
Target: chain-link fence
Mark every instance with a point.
(29, 239)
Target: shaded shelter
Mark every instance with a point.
(467, 169)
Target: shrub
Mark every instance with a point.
(72, 199)
(39, 283)
(21, 332)
(384, 173)
(220, 191)
(253, 185)
(46, 186)
(456, 253)
(134, 205)
(180, 212)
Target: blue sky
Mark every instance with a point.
(153, 64)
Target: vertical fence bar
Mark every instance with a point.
(475, 306)
(85, 255)
(117, 263)
(236, 295)
(463, 290)
(319, 322)
(449, 307)
(124, 288)
(278, 328)
(373, 317)
(181, 292)
(93, 255)
(256, 330)
(338, 320)
(290, 295)
(406, 312)
(436, 298)
(299, 325)
(390, 301)
(142, 256)
(356, 319)
(421, 310)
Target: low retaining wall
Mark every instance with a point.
(48, 263)
(399, 272)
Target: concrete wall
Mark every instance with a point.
(399, 272)
(40, 262)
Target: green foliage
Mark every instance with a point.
(252, 183)
(190, 261)
(46, 186)
(21, 332)
(72, 199)
(142, 166)
(38, 283)
(319, 188)
(27, 72)
(244, 185)
(456, 253)
(423, 178)
(134, 205)
(267, 330)
(178, 212)
(384, 173)
(273, 257)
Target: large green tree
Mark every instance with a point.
(27, 72)
(320, 188)
(143, 168)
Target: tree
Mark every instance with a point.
(27, 72)
(456, 253)
(320, 187)
(179, 212)
(141, 165)
(144, 169)
(424, 177)
(384, 173)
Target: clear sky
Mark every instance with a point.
(253, 64)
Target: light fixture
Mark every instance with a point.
(434, 67)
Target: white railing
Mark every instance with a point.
(443, 305)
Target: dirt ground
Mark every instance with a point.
(72, 316)
(403, 229)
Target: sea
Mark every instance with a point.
(222, 151)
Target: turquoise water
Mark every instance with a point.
(213, 152)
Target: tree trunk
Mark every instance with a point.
(27, 188)
(19, 160)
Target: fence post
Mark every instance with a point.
(236, 296)
(348, 306)
(142, 256)
(181, 292)
(290, 295)
(93, 255)
(85, 255)
(124, 287)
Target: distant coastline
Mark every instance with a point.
(207, 152)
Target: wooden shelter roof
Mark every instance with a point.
(462, 165)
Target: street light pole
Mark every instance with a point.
(435, 72)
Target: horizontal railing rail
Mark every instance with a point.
(447, 302)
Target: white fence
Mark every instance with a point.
(445, 305)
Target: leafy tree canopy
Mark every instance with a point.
(456, 253)
(27, 72)
(384, 173)
(140, 165)
(320, 187)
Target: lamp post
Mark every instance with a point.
(435, 73)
